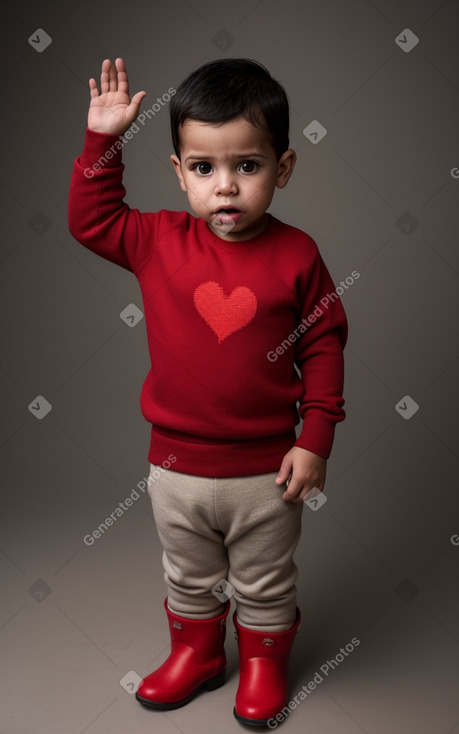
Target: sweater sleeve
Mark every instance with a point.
(97, 215)
(319, 357)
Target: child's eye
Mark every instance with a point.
(203, 168)
(248, 166)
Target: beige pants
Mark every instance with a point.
(237, 529)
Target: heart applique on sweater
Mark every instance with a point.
(225, 314)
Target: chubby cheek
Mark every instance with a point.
(197, 198)
(194, 193)
(258, 196)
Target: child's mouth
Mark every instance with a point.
(226, 216)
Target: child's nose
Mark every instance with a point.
(226, 184)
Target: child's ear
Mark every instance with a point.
(178, 170)
(286, 164)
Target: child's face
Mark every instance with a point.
(233, 166)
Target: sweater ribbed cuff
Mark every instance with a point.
(317, 435)
(101, 150)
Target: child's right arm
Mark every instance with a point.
(97, 215)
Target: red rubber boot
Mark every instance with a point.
(263, 680)
(197, 659)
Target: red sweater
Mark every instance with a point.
(226, 324)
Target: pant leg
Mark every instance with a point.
(194, 556)
(261, 533)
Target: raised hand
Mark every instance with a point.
(112, 111)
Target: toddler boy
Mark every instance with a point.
(243, 323)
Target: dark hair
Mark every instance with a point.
(224, 89)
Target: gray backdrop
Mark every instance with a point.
(79, 623)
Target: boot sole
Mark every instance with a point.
(250, 722)
(212, 684)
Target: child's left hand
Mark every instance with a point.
(303, 470)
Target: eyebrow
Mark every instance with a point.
(209, 157)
